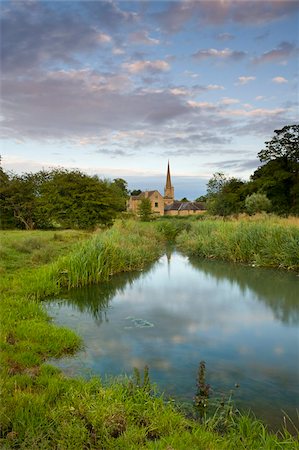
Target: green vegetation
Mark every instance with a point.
(267, 242)
(59, 198)
(257, 203)
(145, 210)
(43, 409)
(277, 179)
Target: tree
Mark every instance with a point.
(76, 200)
(145, 210)
(20, 199)
(136, 192)
(70, 199)
(216, 184)
(285, 144)
(184, 199)
(256, 203)
(202, 198)
(278, 177)
(120, 188)
(225, 196)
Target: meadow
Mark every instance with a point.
(43, 409)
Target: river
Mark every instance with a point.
(242, 321)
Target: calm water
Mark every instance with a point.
(243, 322)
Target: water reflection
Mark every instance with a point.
(240, 320)
(277, 289)
(95, 299)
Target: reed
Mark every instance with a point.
(265, 243)
(125, 247)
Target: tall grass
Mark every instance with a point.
(260, 243)
(125, 247)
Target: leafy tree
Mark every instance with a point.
(145, 209)
(120, 188)
(278, 178)
(76, 200)
(285, 144)
(256, 203)
(215, 184)
(69, 199)
(20, 199)
(225, 196)
(184, 199)
(136, 192)
(202, 198)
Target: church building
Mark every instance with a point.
(167, 205)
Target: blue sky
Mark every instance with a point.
(119, 88)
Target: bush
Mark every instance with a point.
(257, 203)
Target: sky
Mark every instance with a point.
(118, 88)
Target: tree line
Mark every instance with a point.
(59, 198)
(274, 186)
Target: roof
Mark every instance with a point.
(142, 195)
(185, 206)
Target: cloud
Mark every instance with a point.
(35, 34)
(236, 164)
(245, 79)
(259, 112)
(225, 37)
(279, 80)
(205, 105)
(214, 87)
(142, 37)
(179, 91)
(107, 13)
(69, 104)
(147, 66)
(225, 54)
(229, 101)
(118, 51)
(279, 54)
(104, 38)
(176, 15)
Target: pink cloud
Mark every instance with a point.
(281, 53)
(279, 80)
(147, 66)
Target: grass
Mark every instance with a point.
(43, 409)
(266, 242)
(34, 248)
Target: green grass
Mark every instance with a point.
(40, 407)
(264, 243)
(34, 248)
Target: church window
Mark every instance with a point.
(156, 204)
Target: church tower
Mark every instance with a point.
(168, 190)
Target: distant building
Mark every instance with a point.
(167, 205)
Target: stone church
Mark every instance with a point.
(167, 205)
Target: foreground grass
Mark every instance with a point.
(264, 242)
(41, 408)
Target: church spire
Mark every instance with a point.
(168, 179)
(168, 190)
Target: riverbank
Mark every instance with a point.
(41, 408)
(266, 242)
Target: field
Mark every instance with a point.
(43, 409)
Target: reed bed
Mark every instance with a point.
(125, 247)
(265, 243)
